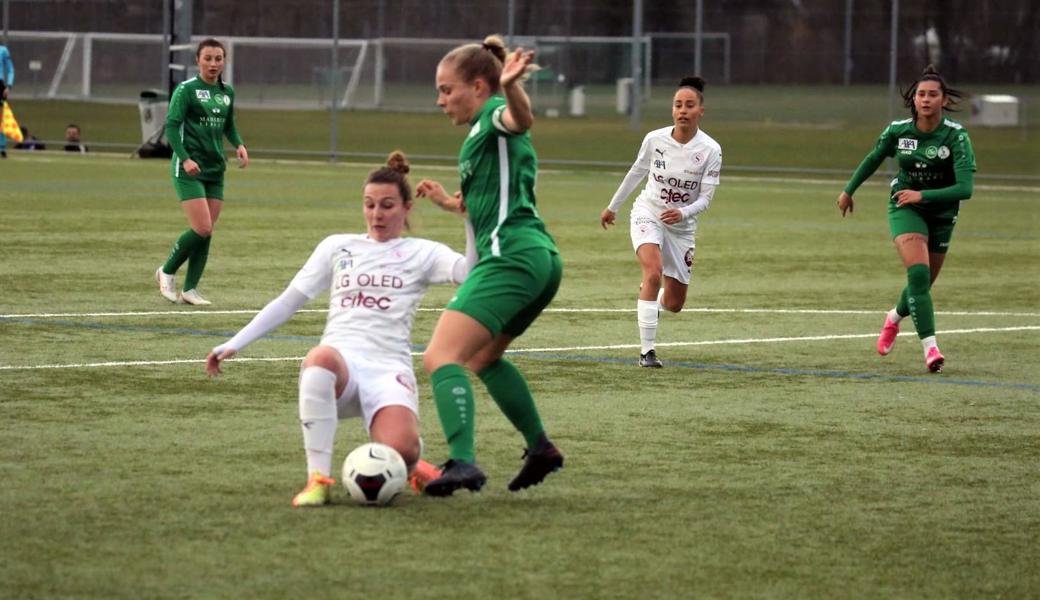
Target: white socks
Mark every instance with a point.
(928, 343)
(646, 316)
(318, 418)
(894, 317)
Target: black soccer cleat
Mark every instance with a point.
(456, 474)
(649, 360)
(537, 465)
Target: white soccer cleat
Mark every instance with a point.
(167, 285)
(193, 297)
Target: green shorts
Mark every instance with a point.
(507, 293)
(937, 227)
(190, 188)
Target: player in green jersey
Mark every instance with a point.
(202, 113)
(936, 173)
(519, 267)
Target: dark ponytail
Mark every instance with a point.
(931, 74)
(395, 171)
(696, 84)
(212, 43)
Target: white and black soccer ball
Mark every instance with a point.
(374, 474)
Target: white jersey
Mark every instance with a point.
(375, 290)
(677, 173)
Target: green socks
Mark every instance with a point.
(903, 306)
(919, 300)
(183, 248)
(197, 264)
(453, 395)
(508, 388)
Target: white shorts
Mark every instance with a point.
(676, 245)
(372, 386)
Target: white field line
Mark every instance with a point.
(120, 158)
(774, 340)
(776, 311)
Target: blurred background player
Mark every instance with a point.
(519, 271)
(363, 365)
(936, 172)
(201, 114)
(6, 81)
(684, 164)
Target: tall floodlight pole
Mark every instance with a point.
(698, 42)
(511, 22)
(165, 68)
(893, 56)
(6, 15)
(333, 79)
(182, 25)
(847, 71)
(637, 62)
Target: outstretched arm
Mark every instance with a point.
(276, 312)
(632, 179)
(433, 190)
(465, 264)
(884, 147)
(518, 116)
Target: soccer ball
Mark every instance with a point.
(374, 474)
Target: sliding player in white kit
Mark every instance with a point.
(363, 365)
(683, 163)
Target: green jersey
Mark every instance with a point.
(940, 164)
(200, 116)
(498, 169)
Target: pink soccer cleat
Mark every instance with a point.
(887, 339)
(934, 360)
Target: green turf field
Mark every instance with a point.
(800, 128)
(776, 455)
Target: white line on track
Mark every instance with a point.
(811, 338)
(775, 311)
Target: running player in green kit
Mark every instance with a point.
(518, 269)
(201, 114)
(936, 172)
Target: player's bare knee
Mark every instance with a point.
(409, 449)
(652, 279)
(322, 356)
(203, 230)
(478, 363)
(404, 440)
(432, 361)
